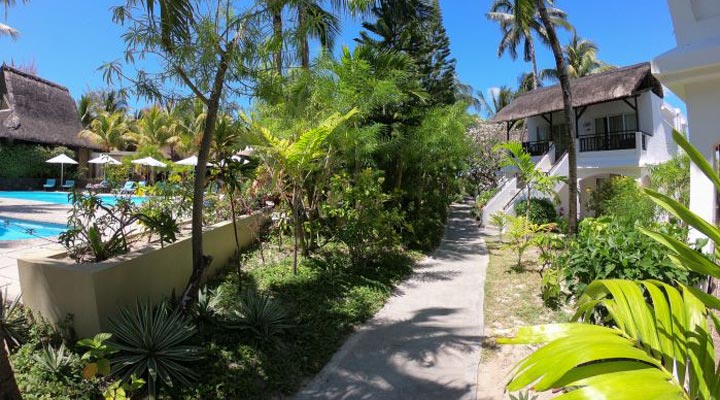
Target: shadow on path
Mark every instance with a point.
(425, 342)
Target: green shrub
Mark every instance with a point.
(21, 160)
(357, 214)
(542, 211)
(620, 197)
(609, 248)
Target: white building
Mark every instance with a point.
(692, 71)
(622, 124)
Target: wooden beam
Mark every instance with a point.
(634, 107)
(548, 120)
(577, 119)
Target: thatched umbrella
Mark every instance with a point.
(62, 159)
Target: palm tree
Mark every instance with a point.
(6, 30)
(520, 23)
(581, 58)
(316, 22)
(313, 22)
(499, 99)
(154, 131)
(85, 110)
(560, 65)
(107, 130)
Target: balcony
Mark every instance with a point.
(612, 141)
(536, 148)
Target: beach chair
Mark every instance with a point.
(129, 188)
(49, 184)
(69, 184)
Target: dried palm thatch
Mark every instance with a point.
(35, 110)
(591, 89)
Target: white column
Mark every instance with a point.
(703, 101)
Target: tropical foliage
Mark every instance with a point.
(521, 27)
(654, 341)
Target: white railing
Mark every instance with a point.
(507, 192)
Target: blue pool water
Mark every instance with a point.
(61, 197)
(18, 229)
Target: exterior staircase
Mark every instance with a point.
(511, 192)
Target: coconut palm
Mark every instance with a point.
(154, 131)
(499, 99)
(520, 25)
(107, 130)
(6, 30)
(313, 22)
(581, 57)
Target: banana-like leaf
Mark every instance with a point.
(684, 214)
(684, 256)
(697, 158)
(656, 345)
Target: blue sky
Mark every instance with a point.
(68, 40)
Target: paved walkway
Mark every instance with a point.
(425, 342)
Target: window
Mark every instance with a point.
(559, 131)
(542, 133)
(616, 124)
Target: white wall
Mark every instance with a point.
(703, 101)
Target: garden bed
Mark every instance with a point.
(55, 286)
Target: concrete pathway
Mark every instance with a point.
(425, 342)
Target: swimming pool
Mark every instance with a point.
(19, 229)
(62, 197)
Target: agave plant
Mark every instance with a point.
(262, 316)
(13, 324)
(54, 361)
(152, 344)
(655, 342)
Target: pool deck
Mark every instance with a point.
(11, 250)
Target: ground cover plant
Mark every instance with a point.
(267, 331)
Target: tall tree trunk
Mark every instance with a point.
(569, 116)
(296, 222)
(531, 44)
(278, 35)
(8, 386)
(201, 261)
(304, 45)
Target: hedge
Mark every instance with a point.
(20, 160)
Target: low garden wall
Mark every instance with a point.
(54, 286)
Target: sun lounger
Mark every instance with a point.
(129, 188)
(69, 184)
(49, 184)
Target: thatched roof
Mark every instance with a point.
(39, 111)
(591, 89)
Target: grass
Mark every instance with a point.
(327, 299)
(512, 294)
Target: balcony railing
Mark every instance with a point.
(610, 141)
(536, 148)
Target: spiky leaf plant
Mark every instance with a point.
(13, 324)
(261, 316)
(153, 344)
